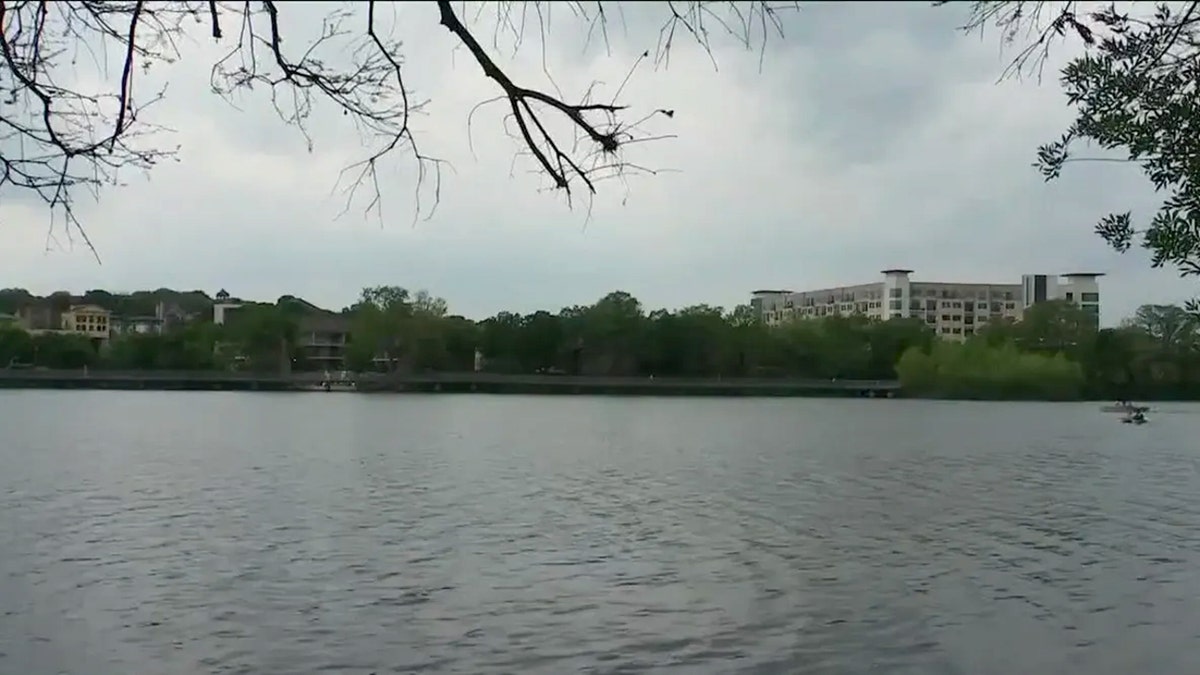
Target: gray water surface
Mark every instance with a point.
(163, 533)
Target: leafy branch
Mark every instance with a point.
(1135, 94)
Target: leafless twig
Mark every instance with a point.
(56, 139)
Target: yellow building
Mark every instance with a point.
(87, 320)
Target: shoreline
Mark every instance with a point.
(447, 383)
(491, 383)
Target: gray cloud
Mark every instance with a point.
(874, 136)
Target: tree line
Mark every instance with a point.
(1131, 90)
(1054, 352)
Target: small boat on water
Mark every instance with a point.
(1135, 418)
(1125, 407)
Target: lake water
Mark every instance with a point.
(163, 533)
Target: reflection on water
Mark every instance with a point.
(299, 533)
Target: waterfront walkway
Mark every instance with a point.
(442, 382)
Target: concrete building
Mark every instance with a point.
(39, 317)
(137, 325)
(223, 305)
(953, 310)
(323, 338)
(90, 321)
(167, 316)
(1080, 288)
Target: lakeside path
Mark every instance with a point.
(444, 383)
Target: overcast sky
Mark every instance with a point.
(873, 137)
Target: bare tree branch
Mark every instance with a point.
(53, 138)
(1033, 24)
(56, 139)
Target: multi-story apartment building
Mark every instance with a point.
(1080, 288)
(323, 338)
(89, 321)
(953, 310)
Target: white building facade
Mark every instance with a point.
(223, 306)
(953, 310)
(1080, 288)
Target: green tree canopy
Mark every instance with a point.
(976, 370)
(1169, 325)
(393, 328)
(1134, 94)
(1056, 351)
(265, 333)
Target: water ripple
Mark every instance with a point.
(232, 533)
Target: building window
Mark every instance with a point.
(895, 292)
(894, 304)
(1090, 297)
(1070, 296)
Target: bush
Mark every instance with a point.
(974, 370)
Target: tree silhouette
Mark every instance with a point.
(1136, 100)
(56, 137)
